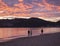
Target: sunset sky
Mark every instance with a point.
(30, 8)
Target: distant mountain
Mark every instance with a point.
(31, 22)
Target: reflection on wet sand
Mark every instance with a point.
(6, 33)
(9, 32)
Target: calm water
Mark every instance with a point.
(6, 33)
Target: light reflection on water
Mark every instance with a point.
(23, 32)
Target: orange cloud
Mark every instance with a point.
(2, 5)
(51, 6)
(20, 7)
(22, 15)
(38, 14)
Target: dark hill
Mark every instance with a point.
(32, 22)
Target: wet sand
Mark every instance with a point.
(41, 40)
(12, 33)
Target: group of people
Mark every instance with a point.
(30, 32)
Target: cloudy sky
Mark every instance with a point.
(30, 8)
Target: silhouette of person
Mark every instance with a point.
(29, 32)
(41, 31)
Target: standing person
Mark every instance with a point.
(41, 31)
(29, 32)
